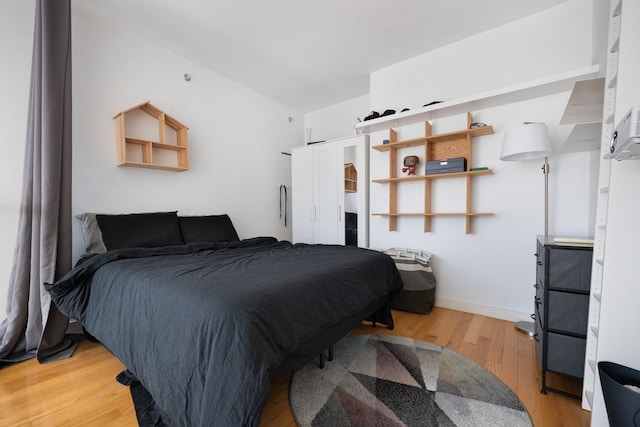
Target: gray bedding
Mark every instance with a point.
(206, 327)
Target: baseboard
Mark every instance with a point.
(483, 310)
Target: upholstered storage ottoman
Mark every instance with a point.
(419, 292)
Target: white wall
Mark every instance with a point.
(16, 40)
(558, 39)
(236, 135)
(619, 314)
(492, 270)
(336, 121)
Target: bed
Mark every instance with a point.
(205, 321)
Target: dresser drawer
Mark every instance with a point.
(569, 269)
(565, 354)
(568, 312)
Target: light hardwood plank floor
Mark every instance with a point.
(82, 390)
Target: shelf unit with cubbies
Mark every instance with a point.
(350, 178)
(436, 147)
(163, 145)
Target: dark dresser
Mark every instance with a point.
(563, 279)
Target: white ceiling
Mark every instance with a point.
(310, 54)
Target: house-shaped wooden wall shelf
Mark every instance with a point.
(146, 137)
(350, 178)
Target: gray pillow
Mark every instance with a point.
(91, 234)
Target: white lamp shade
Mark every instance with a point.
(528, 141)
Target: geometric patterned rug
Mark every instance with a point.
(385, 380)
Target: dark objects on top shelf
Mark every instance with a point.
(372, 115)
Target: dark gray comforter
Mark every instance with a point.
(204, 327)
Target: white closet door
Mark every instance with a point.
(325, 189)
(302, 221)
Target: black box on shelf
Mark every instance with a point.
(456, 164)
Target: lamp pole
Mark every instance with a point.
(529, 142)
(545, 170)
(526, 326)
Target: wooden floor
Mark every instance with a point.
(82, 391)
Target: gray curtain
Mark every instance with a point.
(43, 246)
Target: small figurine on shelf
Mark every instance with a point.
(410, 163)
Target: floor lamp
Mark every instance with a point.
(529, 141)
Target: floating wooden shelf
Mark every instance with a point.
(436, 147)
(443, 137)
(435, 176)
(435, 214)
(168, 152)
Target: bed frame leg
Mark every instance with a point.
(330, 358)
